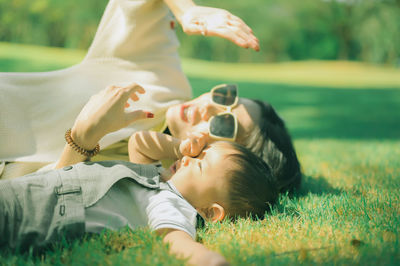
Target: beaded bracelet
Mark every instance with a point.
(78, 149)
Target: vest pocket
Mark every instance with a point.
(61, 190)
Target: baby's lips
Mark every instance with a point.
(149, 115)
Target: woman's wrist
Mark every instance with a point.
(179, 7)
(84, 138)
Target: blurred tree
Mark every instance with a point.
(50, 22)
(377, 31)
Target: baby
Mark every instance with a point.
(215, 181)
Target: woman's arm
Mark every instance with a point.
(182, 245)
(210, 21)
(102, 114)
(179, 7)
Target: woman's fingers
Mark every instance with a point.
(229, 34)
(241, 23)
(237, 33)
(134, 87)
(238, 37)
(126, 91)
(249, 39)
(137, 115)
(219, 22)
(236, 30)
(119, 99)
(122, 94)
(131, 91)
(134, 97)
(105, 113)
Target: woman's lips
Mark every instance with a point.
(189, 114)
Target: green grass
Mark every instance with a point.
(27, 58)
(347, 135)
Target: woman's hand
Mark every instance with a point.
(210, 21)
(105, 113)
(194, 144)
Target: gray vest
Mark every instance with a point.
(43, 207)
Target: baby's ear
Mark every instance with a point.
(218, 212)
(214, 213)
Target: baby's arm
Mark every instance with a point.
(182, 245)
(149, 146)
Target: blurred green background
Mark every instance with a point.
(361, 30)
(332, 71)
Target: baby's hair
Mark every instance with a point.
(252, 188)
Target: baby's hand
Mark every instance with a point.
(194, 144)
(214, 259)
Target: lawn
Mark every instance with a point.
(345, 121)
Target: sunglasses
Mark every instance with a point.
(224, 125)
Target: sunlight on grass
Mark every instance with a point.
(316, 73)
(346, 219)
(28, 58)
(336, 74)
(347, 136)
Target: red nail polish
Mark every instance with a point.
(149, 115)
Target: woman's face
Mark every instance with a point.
(193, 116)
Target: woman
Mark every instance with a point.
(135, 42)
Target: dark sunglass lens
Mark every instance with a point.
(225, 95)
(223, 126)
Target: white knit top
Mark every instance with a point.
(134, 43)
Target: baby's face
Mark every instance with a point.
(203, 179)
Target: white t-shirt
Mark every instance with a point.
(129, 204)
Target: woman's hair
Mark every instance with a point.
(252, 188)
(272, 142)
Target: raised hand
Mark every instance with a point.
(105, 113)
(194, 144)
(210, 21)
